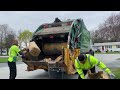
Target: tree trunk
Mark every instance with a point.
(1, 51)
(7, 51)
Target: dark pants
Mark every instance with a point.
(13, 70)
(85, 72)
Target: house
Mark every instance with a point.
(110, 46)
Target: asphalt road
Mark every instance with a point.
(108, 59)
(23, 74)
(5, 64)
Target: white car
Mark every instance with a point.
(4, 52)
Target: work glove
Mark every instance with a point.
(22, 56)
(112, 76)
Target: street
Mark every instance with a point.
(23, 74)
(108, 59)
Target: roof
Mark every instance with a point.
(107, 43)
(53, 30)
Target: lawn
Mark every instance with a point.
(107, 52)
(118, 59)
(5, 59)
(116, 71)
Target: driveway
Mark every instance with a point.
(109, 59)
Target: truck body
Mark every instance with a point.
(60, 43)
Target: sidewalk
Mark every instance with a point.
(3, 56)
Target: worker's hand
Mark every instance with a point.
(112, 76)
(23, 56)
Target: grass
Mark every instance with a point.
(116, 71)
(3, 55)
(118, 59)
(107, 52)
(5, 59)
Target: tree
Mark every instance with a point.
(5, 32)
(1, 41)
(25, 36)
(109, 30)
(19, 37)
(8, 40)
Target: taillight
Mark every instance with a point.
(69, 23)
(51, 36)
(46, 26)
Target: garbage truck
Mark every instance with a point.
(60, 42)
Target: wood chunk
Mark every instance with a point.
(34, 50)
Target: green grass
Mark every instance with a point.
(3, 54)
(116, 71)
(118, 59)
(5, 59)
(107, 52)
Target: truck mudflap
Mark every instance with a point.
(56, 73)
(56, 70)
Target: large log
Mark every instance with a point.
(34, 50)
(53, 48)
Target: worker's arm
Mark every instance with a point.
(100, 64)
(16, 49)
(79, 70)
(19, 52)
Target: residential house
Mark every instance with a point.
(110, 46)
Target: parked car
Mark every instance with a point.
(3, 52)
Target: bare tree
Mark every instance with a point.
(20, 39)
(5, 32)
(109, 30)
(8, 40)
(1, 39)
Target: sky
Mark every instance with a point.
(31, 20)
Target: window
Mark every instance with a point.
(109, 46)
(117, 46)
(106, 46)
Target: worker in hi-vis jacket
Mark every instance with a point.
(85, 62)
(13, 52)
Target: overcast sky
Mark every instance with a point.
(31, 20)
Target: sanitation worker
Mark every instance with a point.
(85, 62)
(13, 52)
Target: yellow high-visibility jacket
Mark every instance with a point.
(90, 62)
(13, 51)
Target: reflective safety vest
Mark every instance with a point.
(90, 62)
(13, 51)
